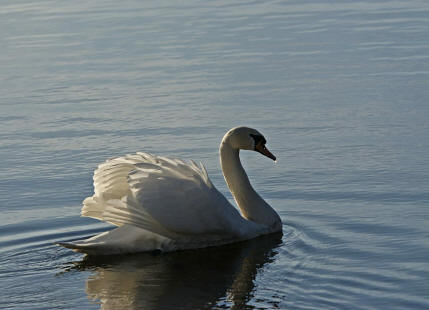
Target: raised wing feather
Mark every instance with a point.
(110, 183)
(163, 195)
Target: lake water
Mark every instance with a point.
(339, 88)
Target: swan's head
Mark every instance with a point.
(246, 138)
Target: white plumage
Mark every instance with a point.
(159, 203)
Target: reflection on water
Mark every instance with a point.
(194, 279)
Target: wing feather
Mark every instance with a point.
(163, 195)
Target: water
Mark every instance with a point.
(338, 88)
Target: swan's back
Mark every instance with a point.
(164, 196)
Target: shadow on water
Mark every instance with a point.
(193, 279)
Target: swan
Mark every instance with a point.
(165, 204)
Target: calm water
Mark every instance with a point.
(340, 90)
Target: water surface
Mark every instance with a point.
(339, 89)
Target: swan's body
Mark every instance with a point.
(167, 204)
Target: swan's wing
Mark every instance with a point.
(110, 185)
(162, 195)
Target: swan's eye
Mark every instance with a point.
(259, 140)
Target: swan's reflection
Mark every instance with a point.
(195, 279)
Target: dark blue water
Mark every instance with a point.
(339, 89)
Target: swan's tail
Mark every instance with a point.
(121, 240)
(82, 247)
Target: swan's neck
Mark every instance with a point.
(251, 205)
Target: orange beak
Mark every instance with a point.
(264, 151)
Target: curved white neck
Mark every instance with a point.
(251, 205)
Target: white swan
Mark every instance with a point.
(166, 204)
